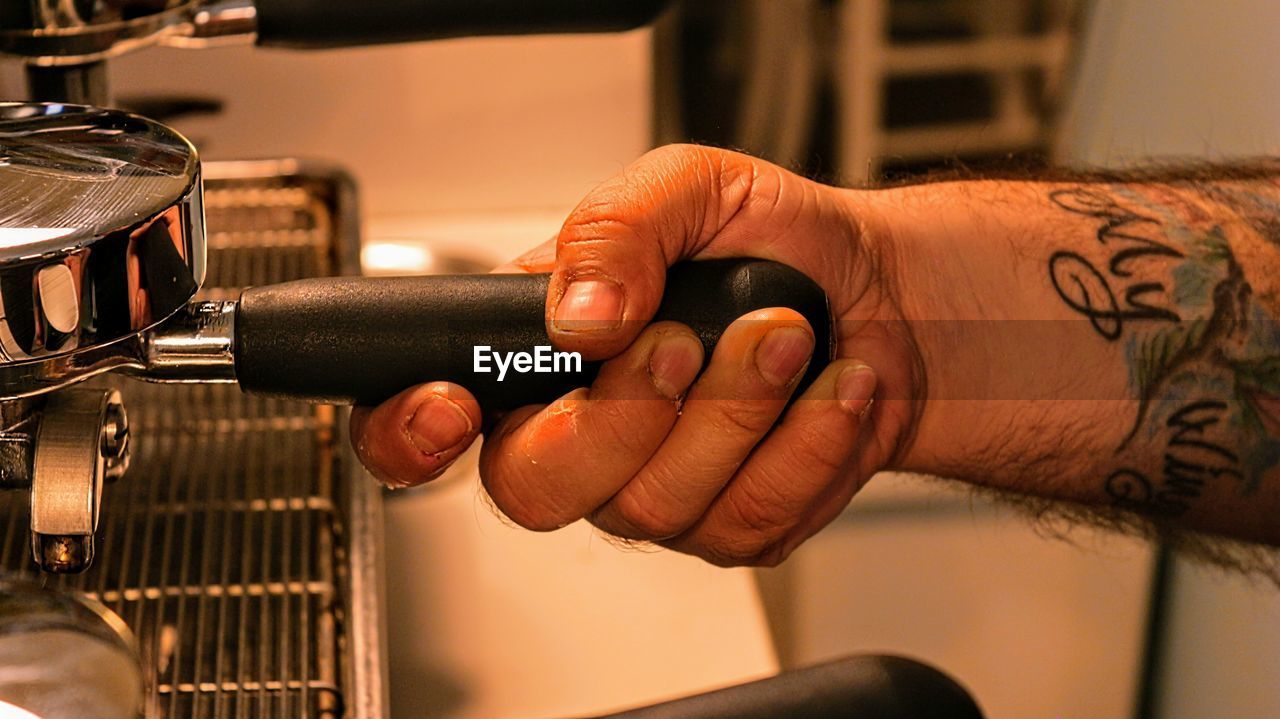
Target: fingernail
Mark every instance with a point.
(589, 305)
(674, 364)
(783, 354)
(438, 425)
(855, 388)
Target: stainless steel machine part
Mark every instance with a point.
(65, 657)
(82, 441)
(65, 43)
(101, 238)
(68, 34)
(243, 548)
(196, 345)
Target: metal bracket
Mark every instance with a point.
(82, 441)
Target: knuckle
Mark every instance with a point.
(637, 518)
(768, 189)
(612, 236)
(602, 219)
(749, 417)
(534, 516)
(682, 154)
(758, 506)
(615, 429)
(818, 450)
(514, 494)
(723, 551)
(772, 556)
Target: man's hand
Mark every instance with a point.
(714, 462)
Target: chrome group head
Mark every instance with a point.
(101, 240)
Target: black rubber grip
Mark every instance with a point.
(341, 23)
(361, 340)
(867, 687)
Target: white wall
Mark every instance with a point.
(1202, 79)
(453, 126)
(1176, 77)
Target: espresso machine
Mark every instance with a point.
(216, 507)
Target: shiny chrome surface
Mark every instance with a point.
(62, 32)
(65, 656)
(101, 237)
(195, 345)
(82, 441)
(215, 23)
(34, 378)
(244, 545)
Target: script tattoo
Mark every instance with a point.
(1192, 459)
(1128, 237)
(1189, 283)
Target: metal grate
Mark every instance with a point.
(228, 546)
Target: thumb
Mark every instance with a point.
(612, 254)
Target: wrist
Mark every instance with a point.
(929, 255)
(1006, 376)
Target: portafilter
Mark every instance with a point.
(102, 250)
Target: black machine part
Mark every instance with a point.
(362, 340)
(864, 687)
(334, 23)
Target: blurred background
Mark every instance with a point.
(469, 151)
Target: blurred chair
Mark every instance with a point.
(1021, 46)
(842, 89)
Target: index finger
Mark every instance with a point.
(538, 259)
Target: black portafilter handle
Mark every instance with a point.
(342, 23)
(362, 339)
(863, 687)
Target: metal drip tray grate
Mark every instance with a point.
(238, 547)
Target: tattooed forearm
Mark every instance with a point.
(1128, 237)
(1189, 286)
